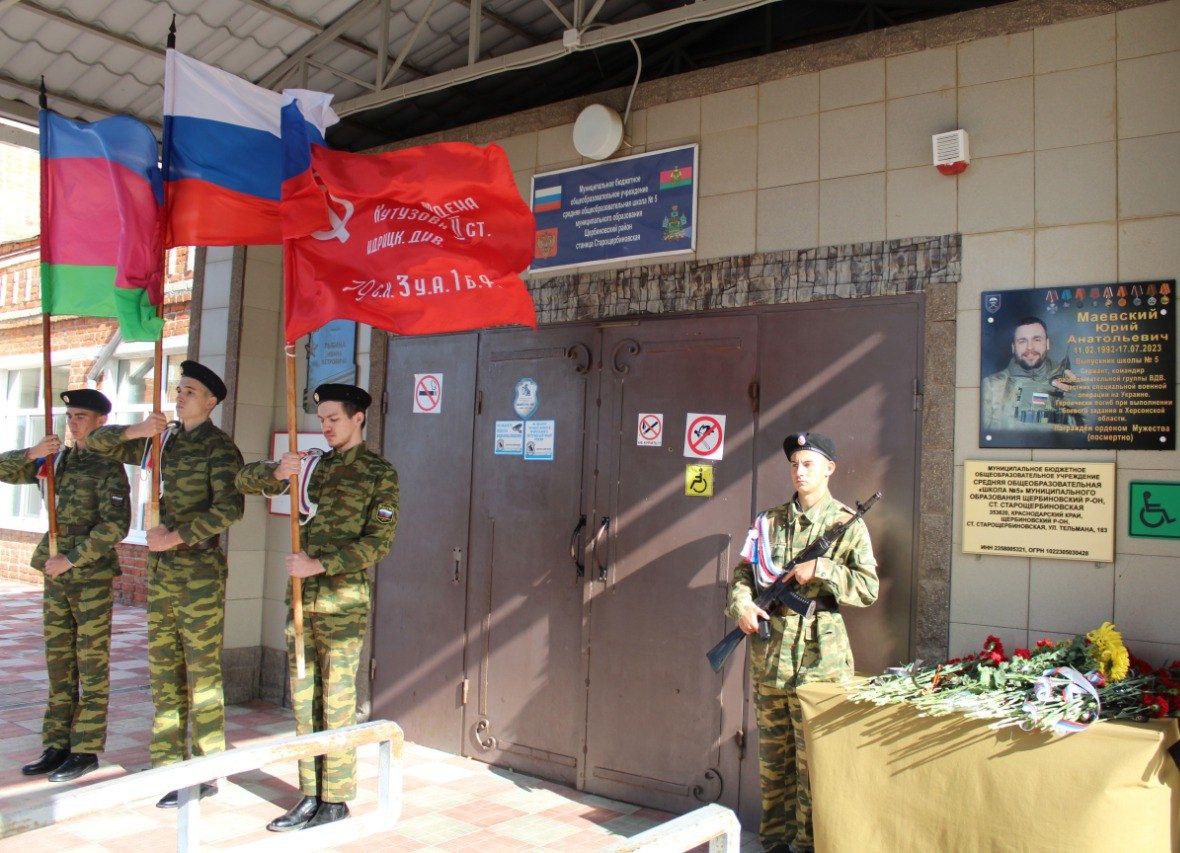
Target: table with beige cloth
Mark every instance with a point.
(883, 778)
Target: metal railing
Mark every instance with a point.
(187, 776)
(712, 823)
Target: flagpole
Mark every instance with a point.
(46, 346)
(153, 509)
(293, 447)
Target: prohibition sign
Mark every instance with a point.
(428, 394)
(651, 430)
(704, 437)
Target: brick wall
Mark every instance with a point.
(16, 550)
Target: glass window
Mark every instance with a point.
(22, 424)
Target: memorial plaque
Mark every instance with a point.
(1086, 367)
(1048, 510)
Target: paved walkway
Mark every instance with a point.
(451, 803)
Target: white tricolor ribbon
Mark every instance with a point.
(1069, 685)
(757, 552)
(308, 460)
(145, 461)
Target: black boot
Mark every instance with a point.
(78, 764)
(50, 760)
(328, 813)
(297, 817)
(171, 800)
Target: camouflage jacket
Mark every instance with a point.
(197, 473)
(802, 649)
(357, 496)
(93, 509)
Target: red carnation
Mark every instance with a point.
(1022, 653)
(1044, 643)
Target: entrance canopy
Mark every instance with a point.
(400, 68)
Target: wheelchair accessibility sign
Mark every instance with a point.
(698, 481)
(1154, 510)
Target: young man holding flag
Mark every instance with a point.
(186, 568)
(93, 515)
(349, 503)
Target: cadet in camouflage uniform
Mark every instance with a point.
(350, 507)
(186, 567)
(1029, 394)
(93, 515)
(800, 649)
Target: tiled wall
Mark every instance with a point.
(1075, 178)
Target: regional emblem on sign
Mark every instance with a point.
(674, 224)
(546, 243)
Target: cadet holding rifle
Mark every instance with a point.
(800, 648)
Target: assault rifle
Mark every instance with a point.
(783, 590)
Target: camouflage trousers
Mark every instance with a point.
(325, 698)
(782, 767)
(186, 629)
(77, 616)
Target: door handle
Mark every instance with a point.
(581, 525)
(457, 555)
(595, 544)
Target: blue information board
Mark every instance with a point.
(635, 207)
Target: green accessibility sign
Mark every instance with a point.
(1154, 510)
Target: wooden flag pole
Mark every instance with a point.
(293, 447)
(46, 350)
(153, 508)
(50, 473)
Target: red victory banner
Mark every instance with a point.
(421, 241)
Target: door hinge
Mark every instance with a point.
(739, 738)
(917, 395)
(372, 669)
(754, 392)
(465, 686)
(479, 402)
(384, 402)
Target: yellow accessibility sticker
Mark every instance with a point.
(698, 481)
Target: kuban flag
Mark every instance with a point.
(421, 241)
(101, 194)
(223, 154)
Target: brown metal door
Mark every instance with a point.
(656, 711)
(851, 370)
(527, 701)
(421, 585)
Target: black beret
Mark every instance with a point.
(331, 391)
(87, 398)
(816, 441)
(196, 370)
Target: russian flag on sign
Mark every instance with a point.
(223, 159)
(546, 199)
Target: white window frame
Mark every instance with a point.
(174, 348)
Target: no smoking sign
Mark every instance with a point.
(704, 436)
(650, 432)
(428, 389)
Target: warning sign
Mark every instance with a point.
(428, 393)
(704, 436)
(698, 481)
(651, 430)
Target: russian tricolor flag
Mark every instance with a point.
(546, 199)
(223, 155)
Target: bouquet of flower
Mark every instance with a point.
(1057, 687)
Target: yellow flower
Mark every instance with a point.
(1108, 651)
